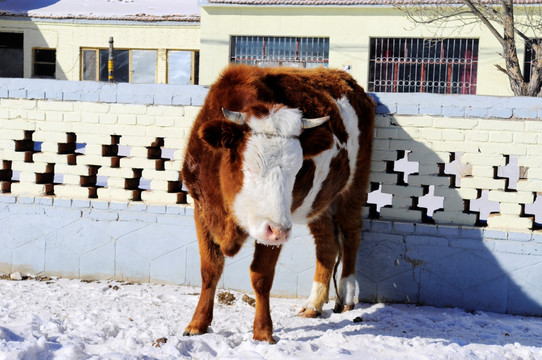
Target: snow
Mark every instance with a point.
(100, 8)
(72, 319)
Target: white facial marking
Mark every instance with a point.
(323, 160)
(272, 159)
(281, 121)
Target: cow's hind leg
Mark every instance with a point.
(350, 236)
(212, 265)
(262, 272)
(323, 230)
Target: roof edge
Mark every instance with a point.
(137, 17)
(373, 3)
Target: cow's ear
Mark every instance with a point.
(221, 134)
(315, 140)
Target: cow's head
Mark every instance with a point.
(266, 149)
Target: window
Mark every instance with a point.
(143, 67)
(529, 59)
(136, 66)
(90, 65)
(280, 51)
(444, 66)
(182, 67)
(44, 63)
(11, 54)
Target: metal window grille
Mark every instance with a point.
(529, 59)
(444, 66)
(280, 51)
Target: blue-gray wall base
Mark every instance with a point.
(465, 267)
(446, 266)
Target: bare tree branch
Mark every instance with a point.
(484, 20)
(498, 17)
(500, 68)
(441, 18)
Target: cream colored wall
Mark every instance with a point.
(349, 30)
(68, 38)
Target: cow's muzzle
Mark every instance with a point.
(277, 234)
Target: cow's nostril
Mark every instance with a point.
(279, 233)
(274, 229)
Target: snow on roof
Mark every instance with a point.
(171, 10)
(136, 10)
(356, 2)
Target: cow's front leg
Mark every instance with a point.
(212, 265)
(262, 272)
(323, 230)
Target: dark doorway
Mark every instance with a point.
(11, 54)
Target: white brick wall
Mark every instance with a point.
(93, 125)
(484, 144)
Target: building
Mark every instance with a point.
(372, 39)
(160, 41)
(155, 41)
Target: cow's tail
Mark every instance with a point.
(339, 238)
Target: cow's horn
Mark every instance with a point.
(234, 116)
(310, 123)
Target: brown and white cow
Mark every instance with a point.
(272, 147)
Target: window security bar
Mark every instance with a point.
(445, 66)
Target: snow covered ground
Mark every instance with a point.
(71, 319)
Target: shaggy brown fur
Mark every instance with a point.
(212, 173)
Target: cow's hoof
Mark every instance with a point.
(339, 308)
(191, 332)
(309, 313)
(268, 339)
